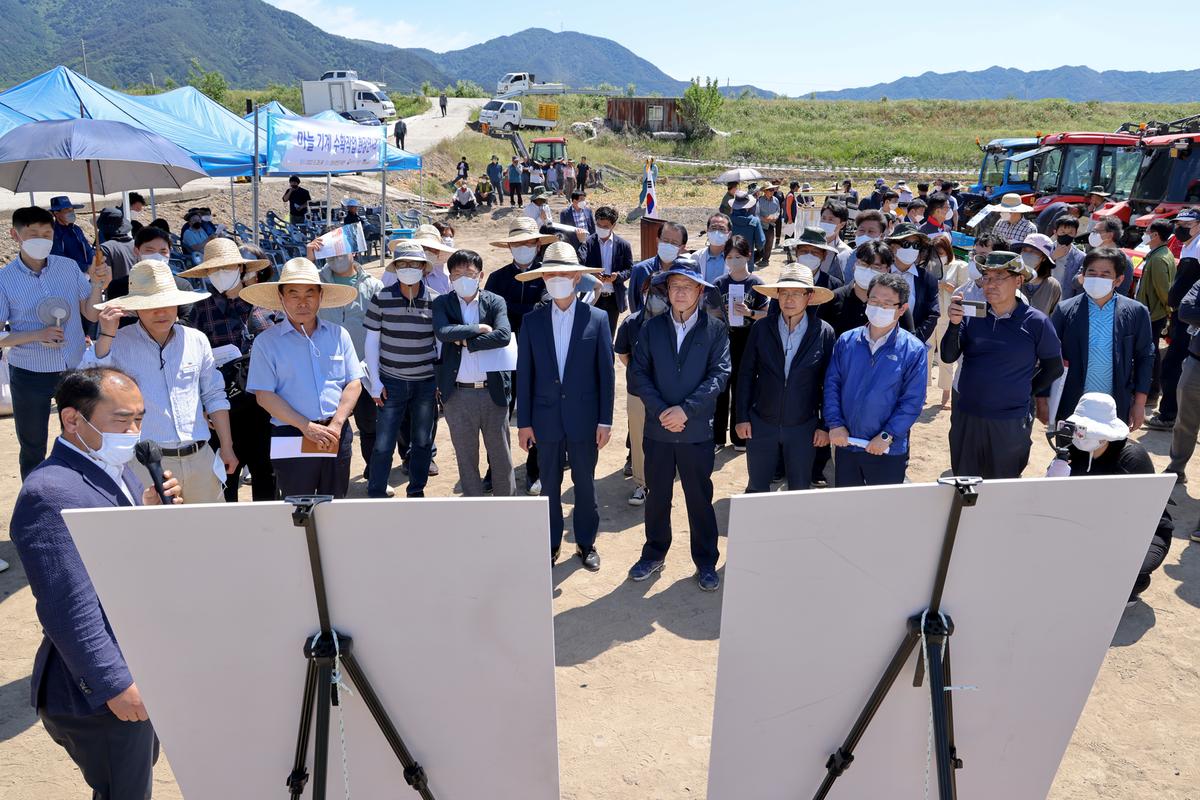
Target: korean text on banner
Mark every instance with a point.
(313, 146)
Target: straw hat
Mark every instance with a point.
(222, 253)
(795, 276)
(407, 250)
(523, 230)
(431, 237)
(298, 272)
(1010, 204)
(560, 259)
(151, 285)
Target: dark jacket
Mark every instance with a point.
(519, 298)
(448, 327)
(118, 254)
(70, 242)
(641, 271)
(1133, 351)
(1189, 313)
(567, 217)
(1187, 273)
(571, 408)
(924, 304)
(622, 263)
(79, 666)
(690, 377)
(745, 222)
(762, 388)
(846, 312)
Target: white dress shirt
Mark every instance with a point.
(111, 471)
(682, 328)
(468, 367)
(562, 322)
(179, 382)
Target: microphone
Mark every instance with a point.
(149, 455)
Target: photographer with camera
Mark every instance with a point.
(1094, 441)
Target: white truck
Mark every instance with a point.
(341, 90)
(514, 84)
(509, 115)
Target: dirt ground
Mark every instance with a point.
(636, 663)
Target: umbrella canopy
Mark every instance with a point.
(740, 174)
(86, 155)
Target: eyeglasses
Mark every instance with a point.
(877, 304)
(995, 277)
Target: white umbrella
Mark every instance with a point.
(739, 174)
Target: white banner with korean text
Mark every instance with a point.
(313, 146)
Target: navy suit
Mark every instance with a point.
(565, 412)
(79, 666)
(1133, 351)
(924, 304)
(567, 217)
(615, 302)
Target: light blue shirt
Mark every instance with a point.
(791, 341)
(308, 374)
(714, 266)
(22, 291)
(1100, 347)
(562, 322)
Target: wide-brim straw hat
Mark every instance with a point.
(298, 272)
(431, 237)
(151, 285)
(559, 259)
(795, 276)
(222, 253)
(1010, 204)
(523, 230)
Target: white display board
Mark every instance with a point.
(819, 585)
(448, 602)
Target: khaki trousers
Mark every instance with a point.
(194, 473)
(636, 411)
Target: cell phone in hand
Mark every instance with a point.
(974, 308)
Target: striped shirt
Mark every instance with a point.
(405, 327)
(22, 291)
(1099, 376)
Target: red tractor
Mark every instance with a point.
(1067, 165)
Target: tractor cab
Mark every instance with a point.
(548, 150)
(1067, 165)
(998, 174)
(1169, 177)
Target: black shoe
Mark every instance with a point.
(590, 559)
(404, 467)
(433, 469)
(487, 485)
(628, 471)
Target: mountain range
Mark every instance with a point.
(253, 43)
(1078, 84)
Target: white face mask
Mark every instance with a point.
(409, 275)
(448, 241)
(156, 257)
(881, 317)
(736, 263)
(973, 270)
(863, 276)
(1094, 239)
(719, 238)
(1088, 444)
(524, 254)
(808, 260)
(37, 249)
(1098, 287)
(116, 449)
(560, 288)
(224, 279)
(829, 228)
(862, 239)
(667, 252)
(206, 218)
(70, 218)
(908, 255)
(1031, 260)
(466, 287)
(603, 233)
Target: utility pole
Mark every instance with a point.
(83, 44)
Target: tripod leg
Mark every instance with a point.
(299, 776)
(413, 772)
(321, 750)
(955, 761)
(839, 762)
(941, 719)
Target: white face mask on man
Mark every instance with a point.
(560, 288)
(524, 254)
(668, 252)
(37, 249)
(224, 279)
(863, 276)
(465, 287)
(116, 449)
(1097, 288)
(880, 317)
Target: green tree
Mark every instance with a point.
(210, 82)
(427, 89)
(631, 90)
(699, 106)
(466, 89)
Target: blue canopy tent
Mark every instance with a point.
(273, 107)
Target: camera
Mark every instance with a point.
(1064, 434)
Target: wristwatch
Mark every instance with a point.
(887, 437)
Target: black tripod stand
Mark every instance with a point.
(323, 652)
(936, 629)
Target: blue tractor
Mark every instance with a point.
(998, 175)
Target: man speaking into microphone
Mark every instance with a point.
(81, 687)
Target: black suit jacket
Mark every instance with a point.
(622, 263)
(449, 329)
(762, 388)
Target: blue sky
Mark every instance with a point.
(819, 46)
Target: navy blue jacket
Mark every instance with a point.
(70, 242)
(567, 217)
(690, 377)
(868, 394)
(448, 327)
(745, 222)
(1133, 351)
(78, 667)
(641, 271)
(571, 408)
(520, 298)
(924, 304)
(622, 263)
(762, 388)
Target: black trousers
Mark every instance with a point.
(1172, 368)
(1157, 329)
(793, 444)
(860, 468)
(726, 414)
(319, 475)
(585, 516)
(532, 471)
(693, 461)
(989, 448)
(250, 428)
(116, 758)
(608, 302)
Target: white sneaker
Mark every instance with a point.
(638, 497)
(3, 565)
(390, 492)
(535, 489)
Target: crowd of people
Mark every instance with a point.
(558, 177)
(817, 375)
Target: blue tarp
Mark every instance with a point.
(217, 139)
(273, 107)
